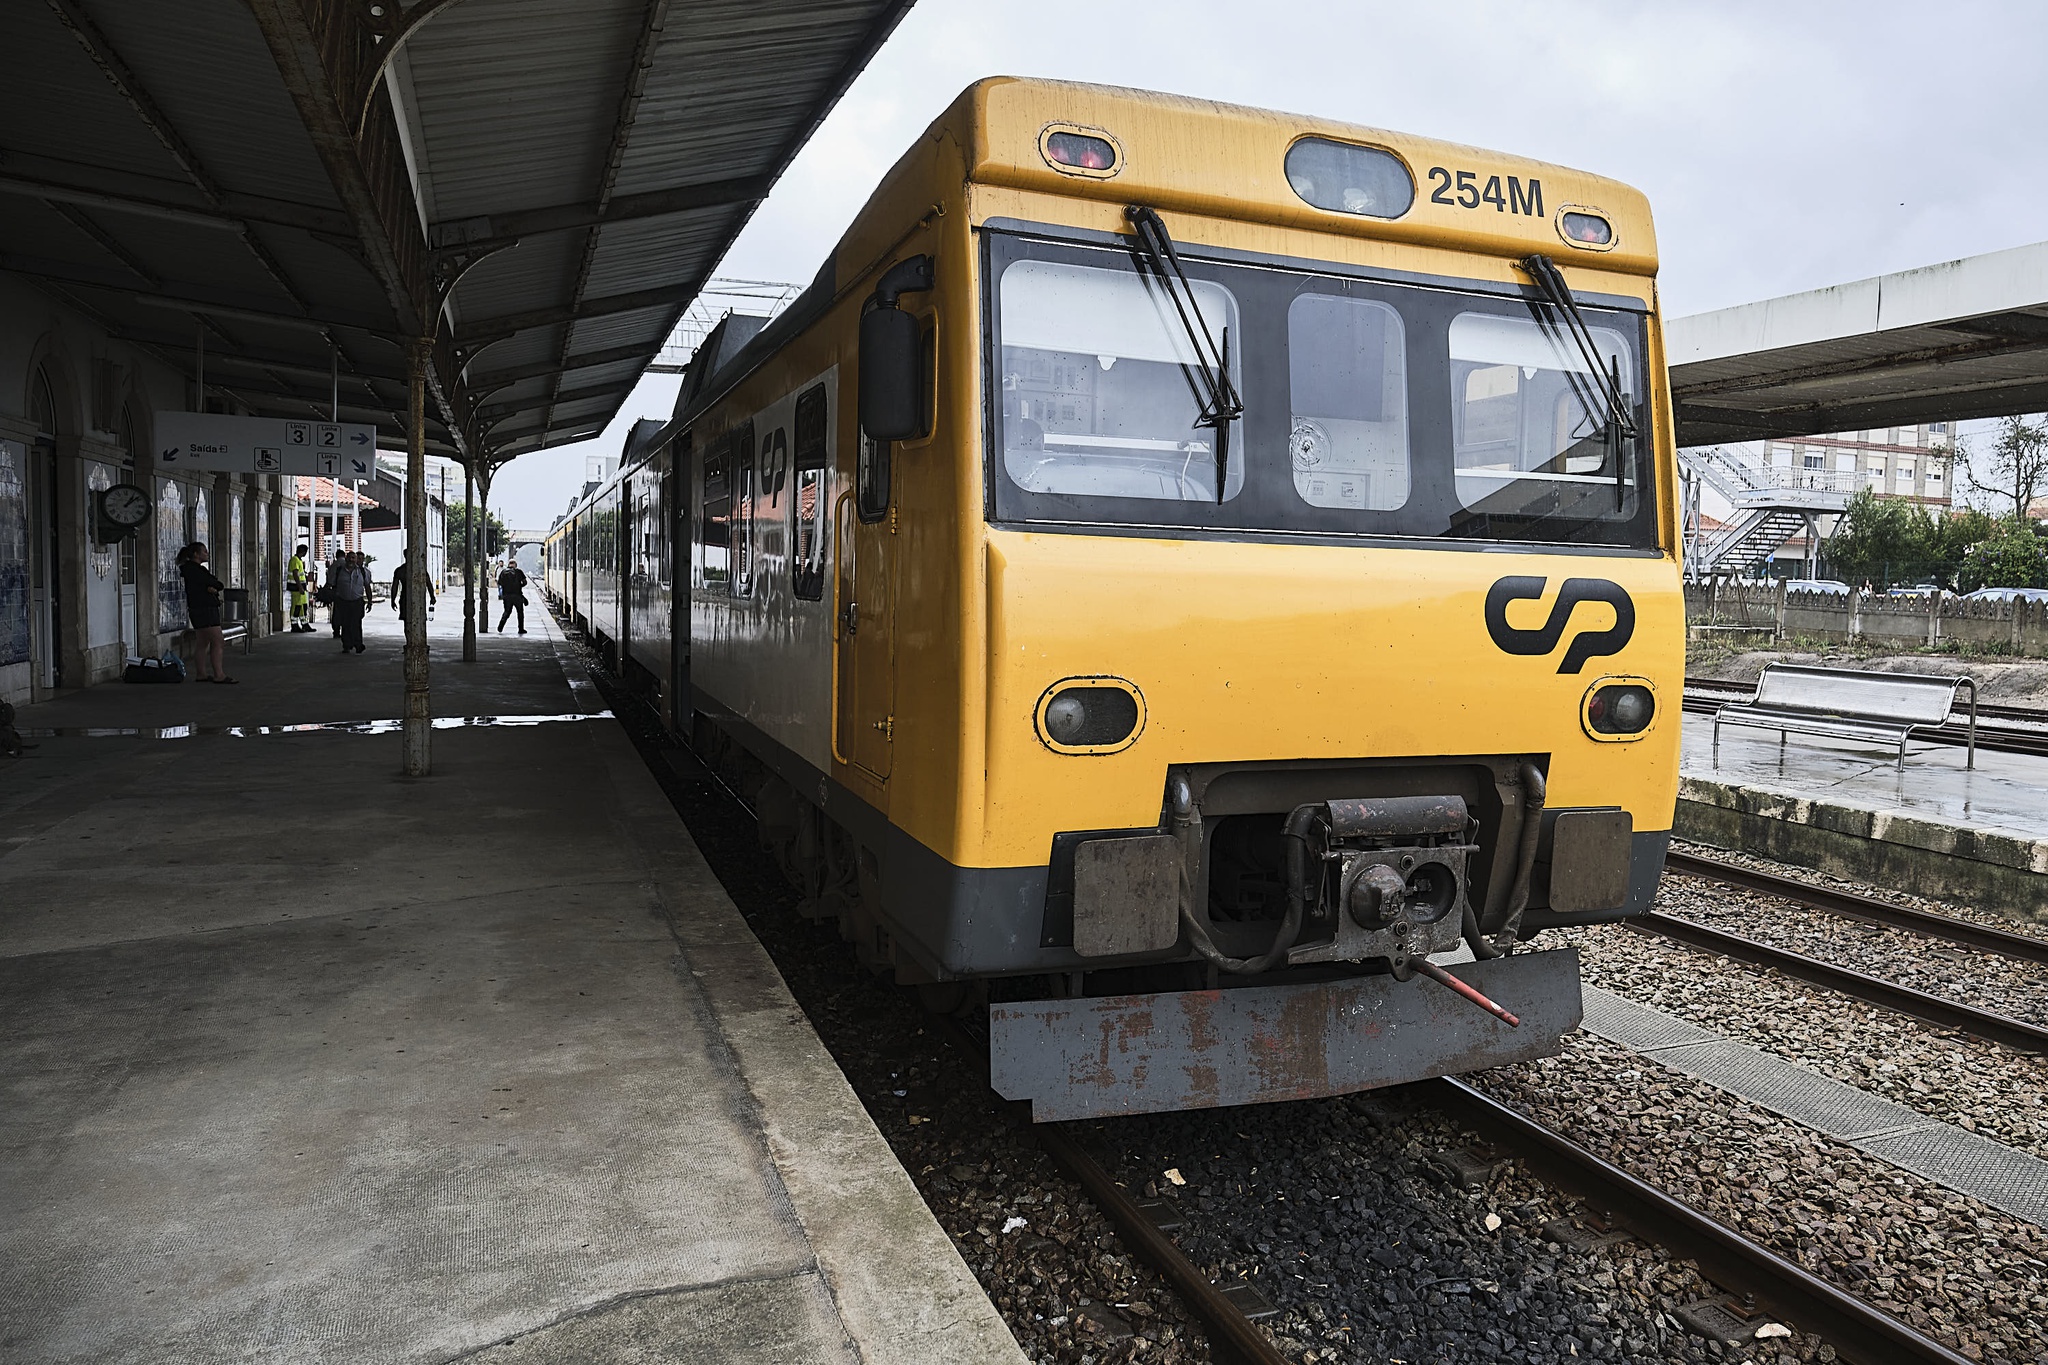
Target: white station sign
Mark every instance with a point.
(265, 445)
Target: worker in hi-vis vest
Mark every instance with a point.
(296, 584)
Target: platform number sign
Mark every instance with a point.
(299, 435)
(330, 462)
(327, 436)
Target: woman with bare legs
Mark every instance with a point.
(202, 608)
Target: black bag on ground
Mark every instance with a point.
(152, 671)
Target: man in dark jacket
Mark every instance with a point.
(399, 581)
(512, 592)
(351, 583)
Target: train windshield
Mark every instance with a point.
(1099, 392)
(1372, 407)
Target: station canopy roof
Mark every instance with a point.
(1964, 339)
(539, 186)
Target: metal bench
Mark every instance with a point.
(1845, 703)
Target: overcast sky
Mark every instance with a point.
(1783, 145)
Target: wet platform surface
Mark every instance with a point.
(2004, 793)
(307, 1061)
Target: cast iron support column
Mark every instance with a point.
(419, 726)
(483, 540)
(468, 562)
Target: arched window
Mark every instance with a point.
(42, 403)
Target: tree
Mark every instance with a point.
(1885, 540)
(2011, 556)
(492, 536)
(2017, 466)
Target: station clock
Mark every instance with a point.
(121, 509)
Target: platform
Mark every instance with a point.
(307, 1061)
(1935, 827)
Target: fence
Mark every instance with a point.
(1905, 619)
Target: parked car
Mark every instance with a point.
(2007, 595)
(1831, 586)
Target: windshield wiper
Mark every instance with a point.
(1216, 398)
(1621, 423)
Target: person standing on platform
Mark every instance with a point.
(398, 598)
(297, 584)
(334, 568)
(512, 592)
(202, 609)
(351, 599)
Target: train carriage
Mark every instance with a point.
(1183, 576)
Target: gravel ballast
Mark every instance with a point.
(1349, 1214)
(1969, 1276)
(1349, 1218)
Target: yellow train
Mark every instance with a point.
(1183, 575)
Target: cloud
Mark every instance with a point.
(1783, 146)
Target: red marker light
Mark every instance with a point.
(1080, 151)
(1586, 229)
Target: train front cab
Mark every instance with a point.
(1195, 752)
(1198, 751)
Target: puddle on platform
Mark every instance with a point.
(341, 727)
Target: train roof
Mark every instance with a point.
(1198, 156)
(1231, 161)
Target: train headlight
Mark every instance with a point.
(1619, 708)
(1090, 715)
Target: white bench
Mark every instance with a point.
(1846, 703)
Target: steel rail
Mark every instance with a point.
(2003, 741)
(1850, 905)
(1234, 1339)
(1857, 1330)
(1232, 1335)
(1935, 1009)
(2026, 715)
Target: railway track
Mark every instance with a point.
(1857, 1330)
(1705, 696)
(1998, 739)
(1869, 909)
(1934, 1009)
(2023, 715)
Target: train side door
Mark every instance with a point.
(864, 631)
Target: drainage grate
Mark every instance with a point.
(1991, 1171)
(2012, 1181)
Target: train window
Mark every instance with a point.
(1528, 422)
(809, 507)
(714, 536)
(1347, 178)
(1096, 399)
(1348, 388)
(746, 496)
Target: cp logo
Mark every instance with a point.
(1586, 644)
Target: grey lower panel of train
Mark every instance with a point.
(1099, 1056)
(993, 921)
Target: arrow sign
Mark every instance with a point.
(266, 445)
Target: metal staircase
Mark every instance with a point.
(1747, 542)
(1770, 506)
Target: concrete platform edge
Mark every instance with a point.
(1993, 870)
(899, 1284)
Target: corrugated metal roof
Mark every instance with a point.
(173, 169)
